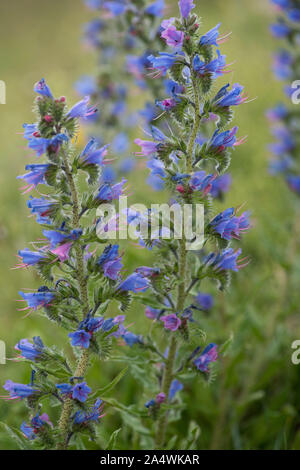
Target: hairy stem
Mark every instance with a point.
(181, 293)
(83, 361)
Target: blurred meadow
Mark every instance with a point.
(254, 400)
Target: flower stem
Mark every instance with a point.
(181, 293)
(83, 361)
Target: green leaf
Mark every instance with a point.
(15, 435)
(112, 384)
(112, 440)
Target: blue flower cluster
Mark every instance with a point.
(283, 119)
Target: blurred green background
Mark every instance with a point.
(254, 400)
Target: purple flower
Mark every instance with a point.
(147, 147)
(42, 88)
(175, 387)
(80, 338)
(220, 185)
(110, 253)
(171, 322)
(29, 350)
(206, 301)
(81, 109)
(19, 390)
(167, 104)
(172, 36)
(210, 354)
(112, 269)
(56, 237)
(160, 398)
(152, 313)
(185, 7)
(62, 251)
(135, 283)
(145, 271)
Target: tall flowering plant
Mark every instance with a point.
(189, 166)
(123, 34)
(79, 277)
(285, 119)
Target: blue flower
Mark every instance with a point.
(81, 391)
(131, 339)
(19, 390)
(225, 260)
(206, 301)
(210, 354)
(185, 7)
(135, 283)
(86, 85)
(30, 258)
(294, 183)
(108, 192)
(29, 350)
(215, 68)
(41, 145)
(41, 207)
(80, 338)
(280, 30)
(220, 185)
(294, 15)
(93, 414)
(227, 98)
(156, 8)
(116, 8)
(92, 155)
(227, 225)
(210, 38)
(35, 176)
(41, 298)
(37, 423)
(175, 387)
(42, 88)
(163, 62)
(81, 109)
(110, 253)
